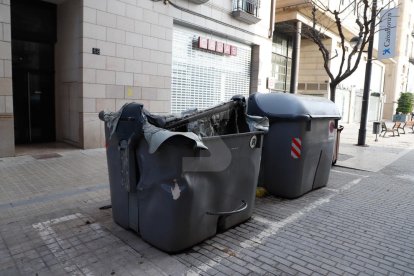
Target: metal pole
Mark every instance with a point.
(365, 97)
(295, 59)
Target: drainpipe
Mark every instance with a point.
(272, 19)
(295, 59)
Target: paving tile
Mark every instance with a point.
(52, 225)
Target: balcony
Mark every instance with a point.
(293, 3)
(246, 11)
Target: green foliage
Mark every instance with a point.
(405, 103)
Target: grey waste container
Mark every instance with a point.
(180, 195)
(298, 149)
(337, 142)
(376, 127)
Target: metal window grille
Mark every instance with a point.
(281, 63)
(201, 78)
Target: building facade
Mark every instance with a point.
(400, 75)
(63, 61)
(312, 78)
(390, 77)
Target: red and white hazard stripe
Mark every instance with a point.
(296, 148)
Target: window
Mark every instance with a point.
(249, 6)
(201, 79)
(281, 62)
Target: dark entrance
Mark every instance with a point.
(33, 26)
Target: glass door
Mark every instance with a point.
(40, 105)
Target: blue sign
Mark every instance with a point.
(387, 33)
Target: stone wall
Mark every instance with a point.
(6, 87)
(68, 88)
(135, 43)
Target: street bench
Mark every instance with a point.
(408, 124)
(393, 129)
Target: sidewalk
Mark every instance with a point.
(377, 154)
(360, 224)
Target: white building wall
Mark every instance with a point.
(397, 74)
(6, 87)
(410, 83)
(311, 71)
(313, 78)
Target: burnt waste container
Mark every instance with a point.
(179, 180)
(298, 148)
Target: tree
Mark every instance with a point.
(364, 19)
(405, 103)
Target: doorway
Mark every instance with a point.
(33, 26)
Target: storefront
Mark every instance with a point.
(98, 57)
(207, 69)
